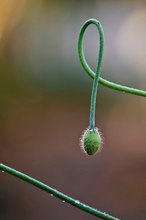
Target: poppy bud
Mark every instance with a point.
(91, 141)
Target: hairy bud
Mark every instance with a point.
(91, 141)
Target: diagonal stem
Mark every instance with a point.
(56, 193)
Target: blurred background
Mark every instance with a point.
(44, 108)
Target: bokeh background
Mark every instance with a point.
(44, 107)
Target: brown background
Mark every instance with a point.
(44, 108)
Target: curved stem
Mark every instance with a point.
(56, 193)
(99, 63)
(105, 82)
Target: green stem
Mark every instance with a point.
(56, 193)
(99, 63)
(104, 82)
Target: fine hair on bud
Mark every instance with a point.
(91, 141)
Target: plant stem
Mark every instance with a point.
(92, 74)
(99, 63)
(56, 193)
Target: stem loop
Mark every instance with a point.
(86, 67)
(92, 74)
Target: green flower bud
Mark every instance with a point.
(91, 141)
